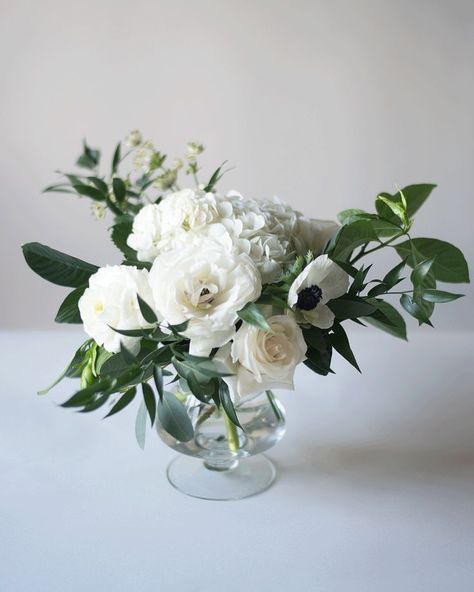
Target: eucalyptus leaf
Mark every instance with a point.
(124, 400)
(140, 425)
(174, 418)
(150, 401)
(227, 404)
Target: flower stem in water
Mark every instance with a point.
(232, 435)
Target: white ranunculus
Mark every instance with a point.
(320, 281)
(264, 360)
(312, 235)
(205, 283)
(146, 233)
(111, 301)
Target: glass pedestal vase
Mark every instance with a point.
(222, 461)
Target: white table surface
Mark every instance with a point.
(374, 493)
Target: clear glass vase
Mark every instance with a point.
(222, 461)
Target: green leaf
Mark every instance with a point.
(339, 341)
(150, 401)
(90, 191)
(227, 404)
(252, 315)
(123, 402)
(393, 276)
(119, 235)
(319, 361)
(116, 158)
(216, 175)
(58, 188)
(350, 308)
(69, 311)
(388, 319)
(119, 189)
(146, 310)
(100, 184)
(85, 395)
(158, 378)
(350, 237)
(174, 418)
(349, 215)
(73, 369)
(89, 158)
(420, 271)
(127, 355)
(414, 309)
(395, 207)
(314, 337)
(449, 265)
(438, 296)
(415, 196)
(140, 425)
(57, 267)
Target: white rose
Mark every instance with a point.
(205, 283)
(111, 301)
(320, 281)
(312, 235)
(266, 360)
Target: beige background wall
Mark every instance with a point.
(324, 103)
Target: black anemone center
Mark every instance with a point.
(309, 298)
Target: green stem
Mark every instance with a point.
(232, 435)
(363, 252)
(274, 406)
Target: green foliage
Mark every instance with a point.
(449, 263)
(227, 404)
(69, 311)
(146, 310)
(252, 315)
(57, 267)
(90, 157)
(339, 341)
(174, 419)
(123, 401)
(387, 318)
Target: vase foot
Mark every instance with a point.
(250, 476)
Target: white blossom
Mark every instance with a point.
(320, 281)
(206, 284)
(110, 302)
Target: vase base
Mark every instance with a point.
(250, 476)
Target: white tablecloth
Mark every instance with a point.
(374, 492)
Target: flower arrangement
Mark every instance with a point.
(226, 295)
